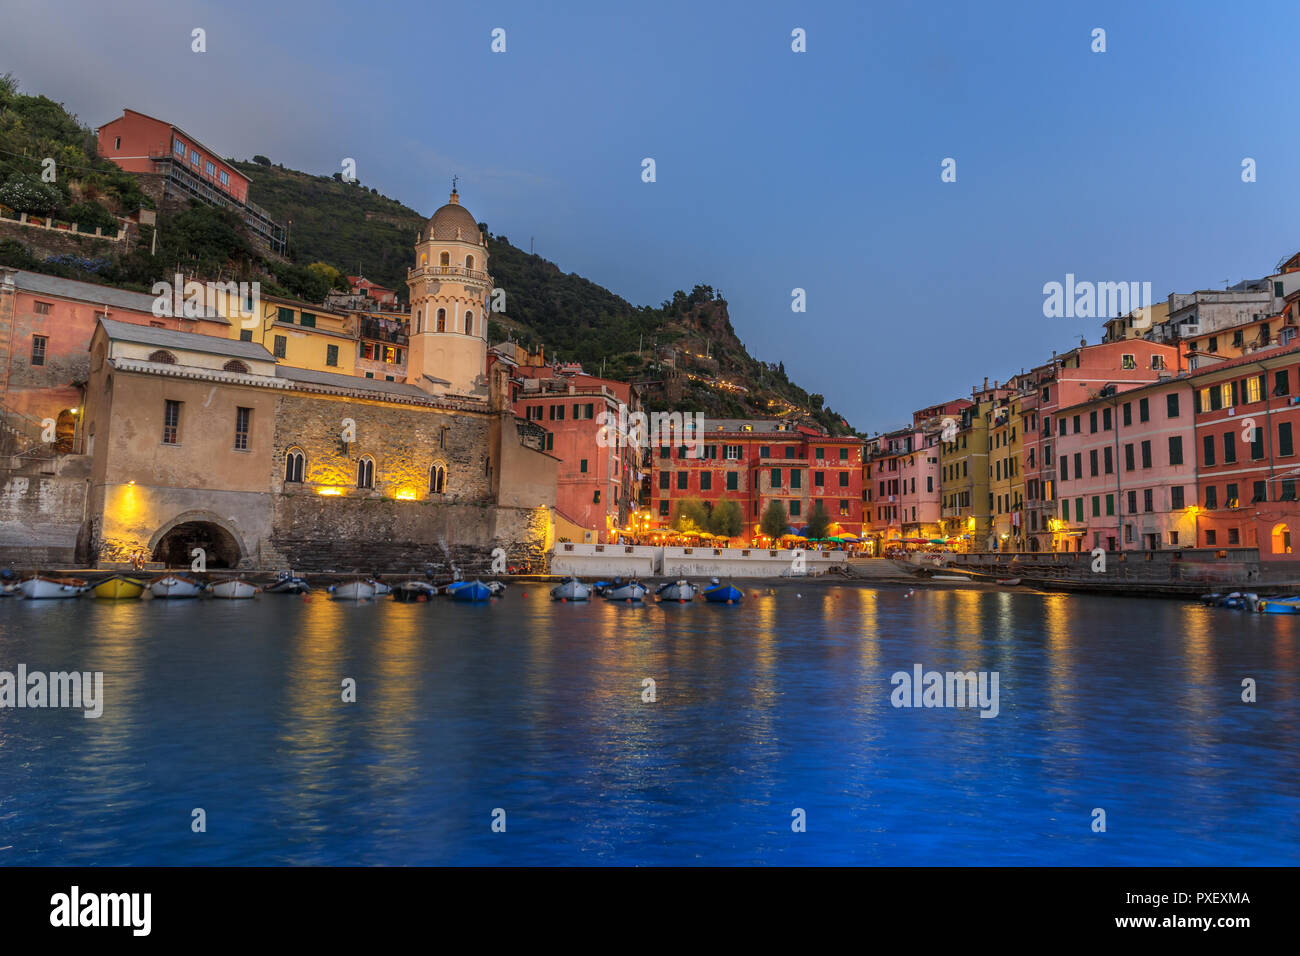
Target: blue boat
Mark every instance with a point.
(722, 594)
(1287, 605)
(474, 591)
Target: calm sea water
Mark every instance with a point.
(536, 708)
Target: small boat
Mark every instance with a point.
(1288, 605)
(1009, 582)
(600, 587)
(473, 591)
(722, 593)
(570, 589)
(412, 591)
(631, 591)
(289, 583)
(679, 591)
(497, 588)
(234, 589)
(37, 587)
(380, 587)
(175, 586)
(353, 591)
(118, 588)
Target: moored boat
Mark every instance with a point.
(722, 593)
(353, 591)
(175, 586)
(234, 589)
(570, 589)
(632, 591)
(1287, 605)
(380, 587)
(497, 588)
(679, 591)
(412, 591)
(118, 588)
(473, 591)
(40, 588)
(289, 583)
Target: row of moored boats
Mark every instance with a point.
(1253, 603)
(634, 592)
(181, 586)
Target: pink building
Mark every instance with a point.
(139, 143)
(1126, 469)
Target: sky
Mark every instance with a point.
(775, 170)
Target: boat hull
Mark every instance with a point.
(233, 590)
(118, 589)
(470, 592)
(353, 591)
(627, 592)
(679, 591)
(48, 588)
(414, 591)
(723, 594)
(289, 586)
(174, 588)
(571, 591)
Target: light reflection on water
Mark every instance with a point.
(779, 703)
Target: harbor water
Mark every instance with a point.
(524, 732)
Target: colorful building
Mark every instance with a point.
(598, 477)
(184, 169)
(757, 461)
(1247, 416)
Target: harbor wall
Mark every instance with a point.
(42, 515)
(607, 560)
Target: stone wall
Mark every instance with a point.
(323, 533)
(46, 243)
(41, 514)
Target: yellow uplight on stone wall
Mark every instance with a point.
(406, 494)
(329, 491)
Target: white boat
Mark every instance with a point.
(353, 591)
(497, 588)
(175, 586)
(680, 591)
(235, 589)
(571, 589)
(37, 587)
(380, 587)
(631, 591)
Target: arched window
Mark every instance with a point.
(442, 320)
(469, 262)
(295, 463)
(424, 258)
(234, 365)
(437, 479)
(444, 259)
(163, 356)
(65, 430)
(366, 473)
(469, 323)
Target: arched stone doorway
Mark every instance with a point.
(1281, 539)
(174, 543)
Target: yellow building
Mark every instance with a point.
(966, 499)
(1006, 476)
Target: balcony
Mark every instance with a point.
(440, 271)
(379, 332)
(180, 179)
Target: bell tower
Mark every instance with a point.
(449, 288)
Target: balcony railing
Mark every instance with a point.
(441, 270)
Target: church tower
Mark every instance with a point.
(449, 287)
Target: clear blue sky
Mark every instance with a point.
(776, 170)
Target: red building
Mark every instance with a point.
(185, 168)
(599, 476)
(371, 290)
(754, 462)
(1247, 422)
(137, 143)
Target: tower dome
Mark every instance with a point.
(453, 222)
